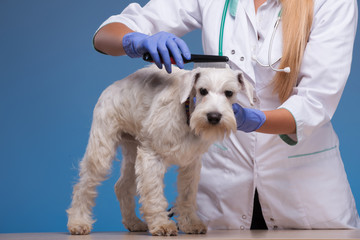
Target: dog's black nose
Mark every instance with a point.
(214, 117)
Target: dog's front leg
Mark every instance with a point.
(150, 170)
(188, 179)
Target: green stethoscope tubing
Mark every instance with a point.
(221, 35)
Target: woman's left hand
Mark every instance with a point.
(248, 119)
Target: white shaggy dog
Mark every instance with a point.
(145, 114)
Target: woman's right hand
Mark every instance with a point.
(160, 46)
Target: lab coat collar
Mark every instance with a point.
(262, 53)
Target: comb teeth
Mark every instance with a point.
(211, 65)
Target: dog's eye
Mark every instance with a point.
(203, 91)
(229, 94)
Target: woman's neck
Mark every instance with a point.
(258, 3)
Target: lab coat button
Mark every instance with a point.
(233, 52)
(275, 227)
(271, 219)
(255, 99)
(242, 59)
(242, 227)
(244, 216)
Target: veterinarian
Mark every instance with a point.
(283, 168)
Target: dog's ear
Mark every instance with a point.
(187, 84)
(246, 87)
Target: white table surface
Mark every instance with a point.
(213, 235)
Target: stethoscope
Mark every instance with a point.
(221, 39)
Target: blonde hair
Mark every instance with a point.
(297, 17)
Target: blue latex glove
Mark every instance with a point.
(248, 119)
(160, 46)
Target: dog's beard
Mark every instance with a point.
(201, 127)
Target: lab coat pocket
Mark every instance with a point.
(321, 185)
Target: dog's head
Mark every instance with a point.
(214, 91)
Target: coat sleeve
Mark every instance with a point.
(325, 67)
(174, 16)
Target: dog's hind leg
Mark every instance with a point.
(185, 208)
(125, 188)
(94, 168)
(150, 170)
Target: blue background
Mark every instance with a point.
(50, 79)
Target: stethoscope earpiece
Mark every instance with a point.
(287, 69)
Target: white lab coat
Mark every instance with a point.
(300, 178)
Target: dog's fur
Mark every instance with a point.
(145, 114)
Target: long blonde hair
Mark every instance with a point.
(297, 17)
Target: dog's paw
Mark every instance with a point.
(80, 229)
(169, 229)
(194, 228)
(136, 226)
(79, 223)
